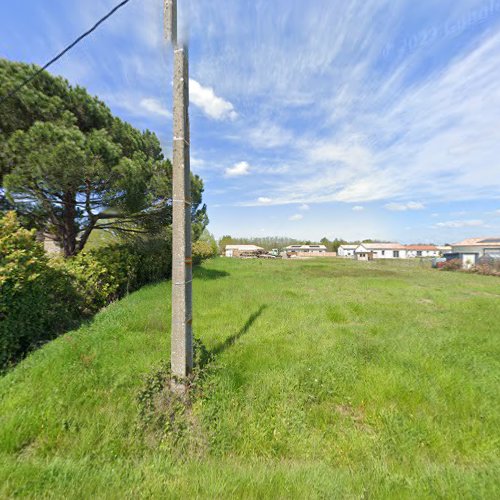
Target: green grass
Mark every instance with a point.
(331, 378)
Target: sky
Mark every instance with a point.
(360, 119)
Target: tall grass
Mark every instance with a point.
(330, 378)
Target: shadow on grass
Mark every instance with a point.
(205, 274)
(220, 348)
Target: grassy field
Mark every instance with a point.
(331, 379)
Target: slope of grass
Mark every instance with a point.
(331, 378)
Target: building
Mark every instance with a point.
(306, 252)
(243, 251)
(309, 249)
(370, 251)
(49, 242)
(469, 251)
(347, 251)
(444, 249)
(413, 251)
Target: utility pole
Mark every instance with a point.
(182, 270)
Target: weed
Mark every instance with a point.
(166, 415)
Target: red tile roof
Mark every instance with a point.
(422, 248)
(383, 246)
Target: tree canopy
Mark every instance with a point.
(69, 167)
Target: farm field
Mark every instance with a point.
(330, 378)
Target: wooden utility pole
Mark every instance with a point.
(182, 271)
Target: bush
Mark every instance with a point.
(203, 250)
(105, 274)
(452, 265)
(41, 297)
(155, 261)
(37, 301)
(487, 266)
(101, 276)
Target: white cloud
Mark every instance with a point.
(387, 135)
(460, 223)
(197, 162)
(268, 135)
(264, 200)
(403, 207)
(296, 217)
(238, 170)
(304, 207)
(155, 106)
(358, 208)
(213, 106)
(365, 119)
(283, 169)
(354, 155)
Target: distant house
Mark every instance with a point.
(444, 249)
(306, 252)
(370, 251)
(314, 249)
(469, 251)
(50, 244)
(347, 251)
(243, 251)
(413, 251)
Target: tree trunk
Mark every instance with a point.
(85, 235)
(69, 230)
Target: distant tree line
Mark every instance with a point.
(280, 242)
(267, 242)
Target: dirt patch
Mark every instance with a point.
(356, 415)
(426, 301)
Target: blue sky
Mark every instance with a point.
(356, 119)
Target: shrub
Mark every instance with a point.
(488, 266)
(155, 261)
(452, 265)
(203, 250)
(105, 274)
(41, 297)
(37, 301)
(101, 276)
(208, 237)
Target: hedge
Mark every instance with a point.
(41, 297)
(108, 273)
(37, 301)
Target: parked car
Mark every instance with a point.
(438, 262)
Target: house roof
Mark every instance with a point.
(382, 246)
(487, 241)
(306, 247)
(349, 247)
(421, 248)
(243, 247)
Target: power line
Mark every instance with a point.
(67, 49)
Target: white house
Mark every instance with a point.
(413, 251)
(370, 251)
(469, 251)
(314, 249)
(243, 250)
(444, 249)
(347, 251)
